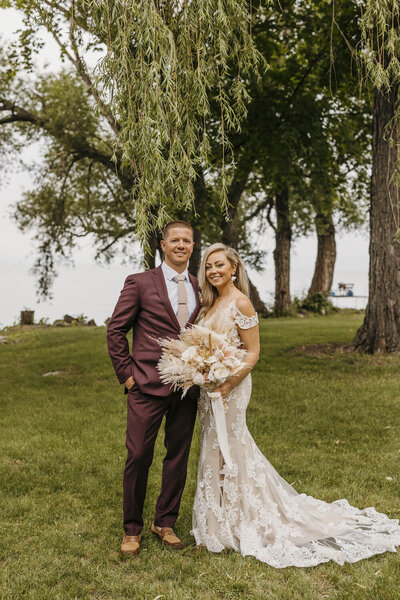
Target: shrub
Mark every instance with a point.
(315, 303)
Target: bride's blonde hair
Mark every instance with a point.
(208, 292)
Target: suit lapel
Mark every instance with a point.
(195, 285)
(162, 291)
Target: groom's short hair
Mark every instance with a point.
(172, 224)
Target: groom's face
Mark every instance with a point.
(178, 246)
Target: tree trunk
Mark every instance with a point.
(258, 304)
(283, 236)
(229, 228)
(235, 191)
(326, 255)
(380, 331)
(149, 258)
(195, 259)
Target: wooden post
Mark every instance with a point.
(27, 317)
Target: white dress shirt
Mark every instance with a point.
(172, 289)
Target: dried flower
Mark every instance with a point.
(200, 356)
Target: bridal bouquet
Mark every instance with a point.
(200, 356)
(205, 357)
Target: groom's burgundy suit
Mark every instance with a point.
(144, 306)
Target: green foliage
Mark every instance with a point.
(160, 61)
(316, 138)
(79, 190)
(308, 122)
(170, 76)
(167, 139)
(315, 303)
(380, 25)
(327, 421)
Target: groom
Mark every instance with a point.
(155, 304)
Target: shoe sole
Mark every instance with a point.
(129, 552)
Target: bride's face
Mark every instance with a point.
(219, 270)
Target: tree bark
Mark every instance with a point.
(258, 304)
(326, 255)
(380, 331)
(283, 236)
(149, 258)
(236, 189)
(229, 228)
(195, 259)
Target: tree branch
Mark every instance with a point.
(79, 20)
(268, 202)
(18, 114)
(83, 72)
(114, 241)
(269, 217)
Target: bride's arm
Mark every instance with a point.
(251, 343)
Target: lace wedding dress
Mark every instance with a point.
(249, 508)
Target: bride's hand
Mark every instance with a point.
(224, 389)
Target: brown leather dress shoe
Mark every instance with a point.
(167, 536)
(130, 545)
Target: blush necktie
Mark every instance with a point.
(182, 300)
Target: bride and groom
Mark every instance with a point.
(245, 505)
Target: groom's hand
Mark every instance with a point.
(130, 382)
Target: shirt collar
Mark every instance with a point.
(170, 273)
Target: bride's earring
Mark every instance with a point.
(233, 279)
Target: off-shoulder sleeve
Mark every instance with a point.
(242, 321)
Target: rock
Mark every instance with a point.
(3, 339)
(69, 319)
(52, 373)
(92, 323)
(60, 323)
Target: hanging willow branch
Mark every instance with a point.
(170, 71)
(166, 62)
(380, 27)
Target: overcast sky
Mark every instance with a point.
(93, 290)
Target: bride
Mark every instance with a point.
(246, 505)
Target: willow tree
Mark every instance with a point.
(380, 331)
(160, 62)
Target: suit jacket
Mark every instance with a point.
(144, 306)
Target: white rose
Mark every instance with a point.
(231, 362)
(218, 372)
(189, 354)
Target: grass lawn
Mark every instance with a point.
(328, 421)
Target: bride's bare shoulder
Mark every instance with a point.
(244, 305)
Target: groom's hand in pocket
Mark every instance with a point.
(129, 383)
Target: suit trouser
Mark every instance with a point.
(144, 417)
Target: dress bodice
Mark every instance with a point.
(229, 319)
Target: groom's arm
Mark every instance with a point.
(121, 322)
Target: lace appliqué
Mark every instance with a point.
(252, 510)
(241, 320)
